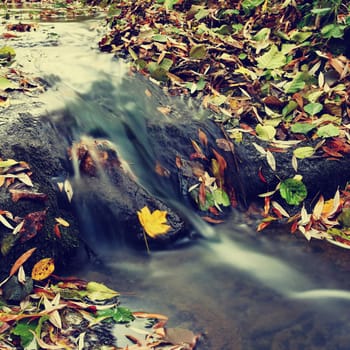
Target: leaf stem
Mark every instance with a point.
(146, 242)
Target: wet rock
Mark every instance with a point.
(14, 291)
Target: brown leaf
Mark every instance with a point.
(273, 101)
(211, 220)
(33, 223)
(160, 170)
(16, 195)
(222, 166)
(225, 145)
(21, 260)
(203, 137)
(180, 336)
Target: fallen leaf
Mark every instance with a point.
(155, 223)
(68, 189)
(271, 160)
(21, 260)
(43, 269)
(98, 291)
(33, 223)
(62, 222)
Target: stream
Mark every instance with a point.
(240, 289)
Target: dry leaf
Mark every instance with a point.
(317, 212)
(271, 160)
(21, 260)
(62, 222)
(69, 190)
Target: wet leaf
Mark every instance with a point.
(98, 291)
(221, 197)
(43, 269)
(118, 314)
(23, 330)
(303, 152)
(21, 260)
(33, 223)
(8, 163)
(68, 190)
(155, 223)
(318, 209)
(293, 191)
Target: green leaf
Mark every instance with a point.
(202, 13)
(166, 64)
(344, 218)
(160, 38)
(293, 191)
(7, 51)
(333, 30)
(313, 108)
(302, 128)
(303, 152)
(23, 330)
(297, 84)
(328, 130)
(289, 108)
(221, 197)
(265, 132)
(300, 36)
(262, 35)
(249, 5)
(272, 59)
(118, 314)
(7, 84)
(198, 52)
(209, 202)
(322, 11)
(98, 291)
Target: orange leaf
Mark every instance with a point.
(211, 220)
(203, 137)
(263, 225)
(21, 260)
(57, 231)
(43, 269)
(222, 166)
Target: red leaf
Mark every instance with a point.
(33, 223)
(331, 152)
(211, 220)
(263, 225)
(261, 176)
(202, 195)
(57, 231)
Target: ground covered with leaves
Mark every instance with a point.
(276, 72)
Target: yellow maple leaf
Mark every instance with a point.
(155, 223)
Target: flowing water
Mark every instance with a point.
(240, 289)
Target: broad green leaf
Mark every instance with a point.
(303, 152)
(328, 130)
(98, 291)
(118, 314)
(221, 197)
(198, 52)
(313, 108)
(23, 330)
(293, 191)
(286, 48)
(209, 201)
(344, 218)
(333, 30)
(223, 30)
(265, 132)
(7, 84)
(302, 128)
(272, 59)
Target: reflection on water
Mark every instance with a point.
(242, 290)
